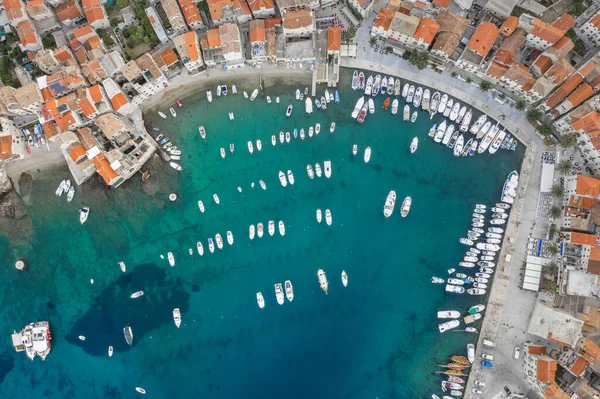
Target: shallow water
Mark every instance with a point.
(375, 338)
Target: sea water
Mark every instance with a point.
(375, 338)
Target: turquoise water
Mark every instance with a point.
(375, 338)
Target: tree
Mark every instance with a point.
(372, 40)
(552, 230)
(564, 167)
(545, 130)
(550, 286)
(348, 36)
(555, 212)
(568, 140)
(485, 85)
(550, 267)
(6, 73)
(419, 59)
(520, 105)
(454, 74)
(469, 80)
(106, 38)
(557, 190)
(552, 249)
(534, 115)
(406, 55)
(122, 3)
(48, 42)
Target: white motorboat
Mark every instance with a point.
(413, 118)
(289, 290)
(454, 112)
(281, 227)
(509, 190)
(110, 351)
(496, 230)
(367, 156)
(282, 179)
(448, 325)
(369, 86)
(448, 314)
(318, 103)
(355, 80)
(250, 147)
(175, 166)
(418, 97)
(173, 112)
(200, 248)
(448, 109)
(435, 103)
(202, 131)
(319, 216)
(426, 100)
(464, 125)
(262, 184)
(323, 280)
(268, 100)
(395, 106)
(83, 214)
(245, 94)
(397, 87)
(61, 188)
(281, 137)
(471, 352)
(406, 115)
(414, 144)
(258, 145)
(448, 134)
(297, 94)
(317, 129)
(260, 300)
(229, 237)
(122, 266)
(137, 294)
(231, 116)
(478, 124)
(259, 230)
(216, 199)
(461, 114)
(209, 96)
(70, 193)
(219, 240)
(405, 206)
(411, 93)
(171, 259)
(441, 130)
(328, 218)
(279, 293)
(476, 291)
(466, 264)
(456, 289)
(290, 177)
(332, 127)
(162, 115)
(254, 94)
(437, 280)
(251, 232)
(310, 172)
(354, 149)
(308, 106)
(361, 81)
(287, 137)
(458, 146)
(277, 99)
(443, 103)
(318, 170)
(222, 152)
(211, 245)
(497, 142)
(465, 241)
(390, 203)
(344, 279)
(177, 317)
(405, 90)
(327, 167)
(271, 227)
(376, 85)
(371, 106)
(456, 281)
(273, 140)
(383, 86)
(288, 112)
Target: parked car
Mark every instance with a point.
(486, 364)
(516, 352)
(487, 357)
(508, 392)
(479, 383)
(488, 343)
(477, 391)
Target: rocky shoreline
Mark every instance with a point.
(14, 218)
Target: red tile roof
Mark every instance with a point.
(427, 30)
(68, 11)
(564, 90)
(483, 39)
(334, 38)
(104, 169)
(509, 25)
(384, 18)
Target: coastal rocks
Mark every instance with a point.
(24, 184)
(11, 205)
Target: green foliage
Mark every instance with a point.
(418, 59)
(485, 85)
(552, 249)
(454, 74)
(48, 42)
(372, 40)
(122, 3)
(555, 212)
(106, 37)
(348, 36)
(469, 80)
(203, 6)
(11, 38)
(6, 73)
(545, 130)
(148, 35)
(406, 55)
(568, 140)
(557, 190)
(564, 167)
(577, 9)
(550, 267)
(163, 16)
(534, 115)
(550, 286)
(520, 105)
(134, 35)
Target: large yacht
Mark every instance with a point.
(323, 280)
(289, 290)
(34, 339)
(279, 293)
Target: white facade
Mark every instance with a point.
(157, 25)
(363, 9)
(590, 32)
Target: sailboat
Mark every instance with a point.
(323, 280)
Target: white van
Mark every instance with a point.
(488, 343)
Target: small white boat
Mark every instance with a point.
(406, 115)
(317, 129)
(122, 266)
(233, 89)
(332, 127)
(327, 167)
(449, 106)
(311, 131)
(395, 106)
(258, 145)
(281, 226)
(448, 314)
(173, 112)
(202, 131)
(414, 116)
(277, 99)
(411, 94)
(414, 144)
(262, 184)
(211, 245)
(70, 194)
(175, 166)
(137, 294)
(219, 240)
(448, 325)
(309, 170)
(367, 156)
(328, 218)
(231, 116)
(110, 351)
(288, 112)
(81, 337)
(259, 230)
(200, 248)
(222, 152)
(323, 280)
(302, 135)
(162, 115)
(177, 317)
(371, 106)
(268, 100)
(260, 300)
(254, 94)
(287, 137)
(216, 198)
(201, 206)
(251, 232)
(319, 216)
(405, 206)
(318, 170)
(279, 293)
(171, 259)
(281, 137)
(344, 279)
(140, 390)
(390, 203)
(209, 96)
(271, 227)
(83, 214)
(290, 177)
(245, 94)
(437, 280)
(250, 147)
(354, 149)
(229, 237)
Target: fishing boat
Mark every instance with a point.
(367, 155)
(216, 199)
(172, 111)
(279, 293)
(443, 103)
(219, 240)
(413, 118)
(282, 179)
(476, 291)
(386, 103)
(137, 294)
(383, 85)
(448, 108)
(395, 106)
(458, 146)
(260, 300)
(354, 80)
(318, 170)
(369, 86)
(441, 132)
(229, 237)
(290, 177)
(177, 317)
(162, 115)
(448, 325)
(454, 112)
(448, 314)
(328, 218)
(390, 202)
(397, 87)
(258, 145)
(319, 216)
(361, 81)
(406, 115)
(175, 166)
(289, 290)
(371, 106)
(363, 113)
(254, 94)
(211, 245)
(344, 279)
(323, 280)
(405, 206)
(509, 190)
(376, 85)
(418, 97)
(478, 124)
(497, 142)
(83, 214)
(308, 107)
(128, 333)
(464, 126)
(411, 94)
(332, 127)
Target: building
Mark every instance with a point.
(540, 369)
(262, 8)
(174, 16)
(424, 34)
(541, 35)
(452, 28)
(362, 7)
(554, 325)
(69, 13)
(12, 143)
(231, 45)
(117, 98)
(29, 98)
(258, 41)
(37, 10)
(8, 95)
(189, 51)
(589, 32)
(298, 23)
(95, 14)
(285, 5)
(29, 37)
(157, 25)
(501, 9)
(191, 14)
(222, 11)
(403, 28)
(382, 23)
(478, 47)
(15, 12)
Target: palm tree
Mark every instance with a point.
(454, 74)
(533, 115)
(568, 140)
(485, 85)
(550, 286)
(555, 212)
(520, 105)
(557, 190)
(372, 40)
(552, 230)
(550, 267)
(564, 167)
(469, 80)
(552, 249)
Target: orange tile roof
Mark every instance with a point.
(104, 169)
(257, 5)
(451, 30)
(442, 3)
(49, 129)
(578, 366)
(77, 152)
(14, 10)
(384, 18)
(509, 25)
(591, 349)
(87, 107)
(94, 14)
(426, 30)
(582, 93)
(68, 11)
(527, 86)
(334, 38)
(588, 123)
(46, 94)
(504, 57)
(546, 370)
(558, 73)
(537, 350)
(546, 32)
(483, 39)
(257, 30)
(272, 22)
(555, 392)
(191, 45)
(82, 31)
(564, 23)
(215, 7)
(169, 57)
(5, 147)
(213, 37)
(583, 239)
(62, 54)
(27, 33)
(64, 121)
(578, 201)
(190, 11)
(496, 70)
(96, 93)
(564, 90)
(93, 42)
(296, 19)
(543, 63)
(587, 68)
(587, 185)
(118, 101)
(595, 21)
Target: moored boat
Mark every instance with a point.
(448, 314)
(411, 94)
(464, 125)
(406, 204)
(260, 300)
(478, 124)
(289, 290)
(281, 227)
(418, 97)
(414, 144)
(443, 103)
(367, 155)
(426, 100)
(344, 279)
(448, 109)
(448, 325)
(454, 112)
(279, 293)
(395, 106)
(354, 84)
(406, 115)
(282, 178)
(509, 190)
(413, 118)
(177, 317)
(327, 167)
(323, 280)
(363, 113)
(328, 218)
(390, 202)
